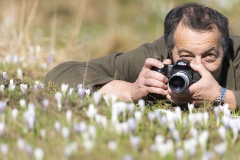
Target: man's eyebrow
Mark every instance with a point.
(190, 52)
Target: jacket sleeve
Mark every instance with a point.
(236, 68)
(119, 66)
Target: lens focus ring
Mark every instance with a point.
(179, 82)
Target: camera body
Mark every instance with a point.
(180, 75)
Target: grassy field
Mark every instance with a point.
(52, 122)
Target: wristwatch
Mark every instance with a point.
(221, 97)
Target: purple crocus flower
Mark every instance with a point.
(132, 125)
(81, 92)
(2, 106)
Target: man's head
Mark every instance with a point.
(197, 33)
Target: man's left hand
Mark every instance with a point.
(207, 88)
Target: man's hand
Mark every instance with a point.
(150, 81)
(207, 88)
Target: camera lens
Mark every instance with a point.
(179, 82)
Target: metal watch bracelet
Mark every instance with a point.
(221, 97)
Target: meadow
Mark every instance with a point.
(50, 121)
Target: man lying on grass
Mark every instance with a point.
(192, 32)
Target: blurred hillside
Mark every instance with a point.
(86, 29)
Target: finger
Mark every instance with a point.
(200, 68)
(167, 61)
(155, 83)
(149, 62)
(177, 101)
(157, 90)
(155, 75)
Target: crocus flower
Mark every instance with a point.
(216, 111)
(127, 157)
(58, 97)
(64, 88)
(3, 104)
(97, 96)
(112, 145)
(220, 148)
(38, 153)
(21, 144)
(202, 139)
(65, 132)
(43, 134)
(14, 113)
(23, 88)
(69, 149)
(19, 73)
(138, 116)
(57, 126)
(2, 87)
(22, 103)
(131, 107)
(4, 74)
(178, 113)
(132, 125)
(45, 103)
(87, 92)
(11, 86)
(2, 128)
(141, 104)
(207, 156)
(81, 92)
(159, 139)
(222, 132)
(205, 118)
(88, 144)
(83, 126)
(29, 150)
(134, 140)
(190, 107)
(70, 91)
(179, 154)
(92, 131)
(151, 116)
(91, 112)
(4, 148)
(68, 115)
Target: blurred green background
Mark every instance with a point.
(86, 29)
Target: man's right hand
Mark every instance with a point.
(150, 81)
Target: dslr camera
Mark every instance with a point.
(180, 75)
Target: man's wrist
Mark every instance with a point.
(222, 95)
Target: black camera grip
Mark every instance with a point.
(163, 70)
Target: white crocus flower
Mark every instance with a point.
(222, 132)
(14, 113)
(4, 149)
(97, 97)
(190, 107)
(134, 140)
(91, 112)
(205, 118)
(112, 146)
(11, 86)
(19, 73)
(178, 113)
(70, 91)
(87, 91)
(88, 144)
(65, 132)
(220, 148)
(2, 128)
(21, 144)
(141, 104)
(2, 88)
(64, 88)
(43, 134)
(38, 153)
(92, 131)
(22, 103)
(23, 88)
(57, 126)
(138, 116)
(68, 115)
(58, 97)
(202, 139)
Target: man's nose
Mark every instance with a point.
(197, 60)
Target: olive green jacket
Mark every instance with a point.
(127, 66)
